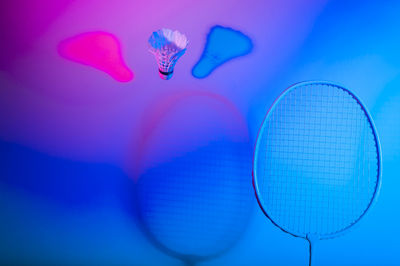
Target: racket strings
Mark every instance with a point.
(317, 153)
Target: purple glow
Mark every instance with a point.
(100, 50)
(22, 23)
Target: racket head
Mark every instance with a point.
(260, 150)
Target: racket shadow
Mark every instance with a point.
(196, 206)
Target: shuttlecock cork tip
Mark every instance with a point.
(165, 75)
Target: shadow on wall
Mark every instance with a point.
(70, 184)
(223, 44)
(194, 194)
(101, 50)
(197, 205)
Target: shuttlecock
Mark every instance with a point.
(167, 46)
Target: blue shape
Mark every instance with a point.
(223, 44)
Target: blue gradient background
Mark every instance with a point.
(71, 137)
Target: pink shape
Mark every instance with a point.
(100, 50)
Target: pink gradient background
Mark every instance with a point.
(55, 106)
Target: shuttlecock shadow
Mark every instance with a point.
(196, 206)
(223, 44)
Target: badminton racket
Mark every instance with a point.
(317, 161)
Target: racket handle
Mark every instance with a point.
(312, 239)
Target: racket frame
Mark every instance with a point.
(378, 150)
